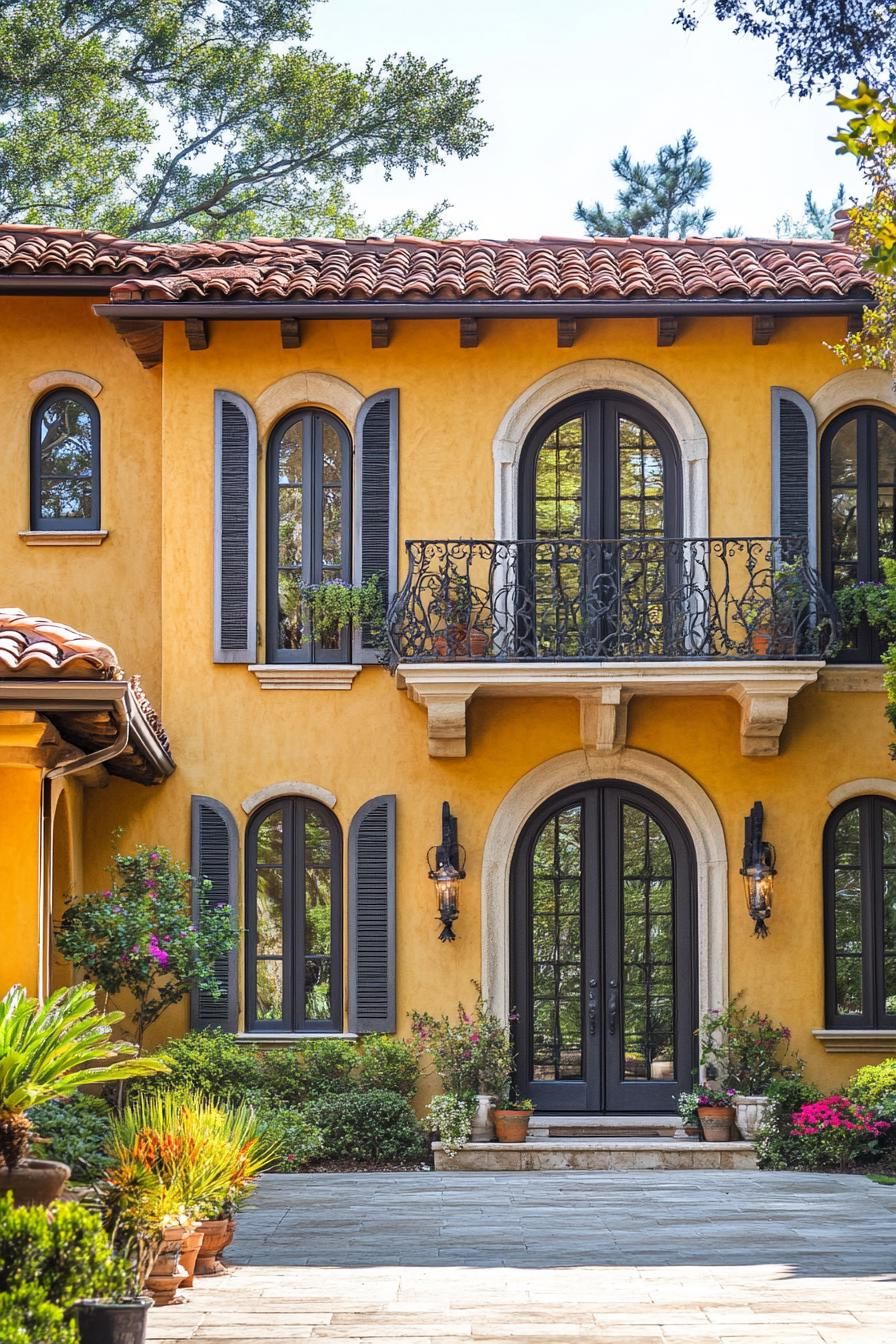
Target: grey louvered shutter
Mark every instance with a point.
(213, 855)
(371, 917)
(794, 468)
(236, 487)
(376, 505)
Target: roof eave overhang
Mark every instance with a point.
(252, 310)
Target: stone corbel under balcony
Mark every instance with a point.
(762, 689)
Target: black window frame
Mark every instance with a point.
(600, 504)
(313, 419)
(873, 1015)
(869, 645)
(293, 1021)
(91, 523)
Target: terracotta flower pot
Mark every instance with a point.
(759, 642)
(214, 1239)
(717, 1123)
(189, 1252)
(167, 1274)
(231, 1229)
(512, 1126)
(476, 642)
(34, 1181)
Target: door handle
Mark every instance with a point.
(592, 1007)
(612, 1008)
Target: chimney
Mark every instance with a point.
(842, 226)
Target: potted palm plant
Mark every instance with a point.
(49, 1050)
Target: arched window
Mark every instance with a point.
(294, 918)
(65, 463)
(308, 531)
(603, 467)
(860, 913)
(858, 514)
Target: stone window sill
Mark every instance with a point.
(61, 538)
(868, 677)
(860, 1040)
(305, 676)
(287, 1037)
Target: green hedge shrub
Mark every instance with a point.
(874, 1086)
(368, 1127)
(313, 1069)
(28, 1317)
(78, 1130)
(63, 1250)
(298, 1140)
(388, 1064)
(211, 1062)
(777, 1149)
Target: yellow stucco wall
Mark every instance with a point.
(148, 591)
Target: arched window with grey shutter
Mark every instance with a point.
(65, 463)
(213, 858)
(235, 530)
(371, 916)
(376, 507)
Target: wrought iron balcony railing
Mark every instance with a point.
(637, 598)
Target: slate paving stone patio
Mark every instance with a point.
(460, 1258)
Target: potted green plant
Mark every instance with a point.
(49, 1050)
(473, 1056)
(332, 606)
(512, 1116)
(688, 1103)
(746, 1051)
(456, 615)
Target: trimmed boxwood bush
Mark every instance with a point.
(77, 1130)
(313, 1069)
(211, 1062)
(298, 1140)
(368, 1127)
(874, 1086)
(388, 1064)
(27, 1316)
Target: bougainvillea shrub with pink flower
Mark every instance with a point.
(472, 1054)
(836, 1132)
(139, 936)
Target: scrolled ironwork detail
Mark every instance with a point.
(631, 599)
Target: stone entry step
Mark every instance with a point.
(543, 1126)
(611, 1153)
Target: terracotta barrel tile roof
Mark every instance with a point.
(31, 646)
(415, 270)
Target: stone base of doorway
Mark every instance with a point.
(603, 1154)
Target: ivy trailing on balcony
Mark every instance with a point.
(876, 604)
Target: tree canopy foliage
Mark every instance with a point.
(818, 42)
(656, 198)
(173, 118)
(816, 221)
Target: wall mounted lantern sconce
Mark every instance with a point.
(758, 871)
(446, 868)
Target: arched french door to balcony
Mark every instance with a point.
(603, 931)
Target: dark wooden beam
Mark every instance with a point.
(290, 333)
(763, 328)
(567, 331)
(854, 323)
(469, 333)
(380, 332)
(666, 330)
(144, 338)
(197, 333)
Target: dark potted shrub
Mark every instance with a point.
(49, 1050)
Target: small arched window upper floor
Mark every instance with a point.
(65, 462)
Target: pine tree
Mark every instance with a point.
(656, 198)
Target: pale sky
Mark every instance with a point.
(566, 84)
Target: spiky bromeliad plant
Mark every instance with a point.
(51, 1049)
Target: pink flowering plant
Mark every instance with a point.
(472, 1053)
(836, 1132)
(745, 1050)
(138, 936)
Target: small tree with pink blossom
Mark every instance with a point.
(138, 936)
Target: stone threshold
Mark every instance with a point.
(604, 1154)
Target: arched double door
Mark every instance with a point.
(603, 934)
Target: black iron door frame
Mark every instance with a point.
(603, 1086)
